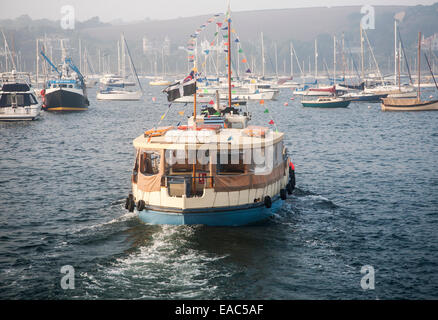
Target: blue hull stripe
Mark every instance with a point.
(213, 218)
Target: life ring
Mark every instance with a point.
(157, 132)
(199, 127)
(268, 202)
(202, 177)
(255, 131)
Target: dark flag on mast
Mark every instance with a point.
(186, 87)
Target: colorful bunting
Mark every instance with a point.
(262, 101)
(266, 111)
(271, 122)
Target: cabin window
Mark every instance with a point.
(12, 99)
(32, 99)
(231, 162)
(180, 162)
(150, 163)
(278, 154)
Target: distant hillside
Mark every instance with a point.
(300, 26)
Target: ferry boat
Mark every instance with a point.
(17, 99)
(208, 172)
(217, 170)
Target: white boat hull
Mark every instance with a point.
(120, 96)
(20, 113)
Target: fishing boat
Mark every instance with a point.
(216, 170)
(412, 104)
(17, 99)
(68, 91)
(118, 91)
(327, 102)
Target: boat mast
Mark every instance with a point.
(37, 64)
(291, 61)
(229, 55)
(395, 51)
(276, 60)
(418, 65)
(334, 60)
(123, 58)
(362, 53)
(118, 58)
(399, 66)
(316, 58)
(263, 58)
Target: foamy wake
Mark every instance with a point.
(165, 268)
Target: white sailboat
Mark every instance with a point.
(119, 92)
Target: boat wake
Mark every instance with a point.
(166, 267)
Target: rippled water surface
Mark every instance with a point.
(367, 194)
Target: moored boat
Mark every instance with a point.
(17, 99)
(326, 102)
(392, 104)
(68, 91)
(412, 104)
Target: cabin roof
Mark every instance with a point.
(179, 139)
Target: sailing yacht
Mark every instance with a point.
(17, 99)
(412, 104)
(117, 90)
(217, 170)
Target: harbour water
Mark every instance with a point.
(367, 194)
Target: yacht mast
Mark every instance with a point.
(229, 54)
(334, 60)
(263, 57)
(395, 51)
(418, 66)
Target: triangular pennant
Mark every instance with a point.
(271, 122)
(262, 101)
(266, 111)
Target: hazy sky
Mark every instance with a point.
(129, 10)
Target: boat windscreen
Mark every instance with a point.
(19, 100)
